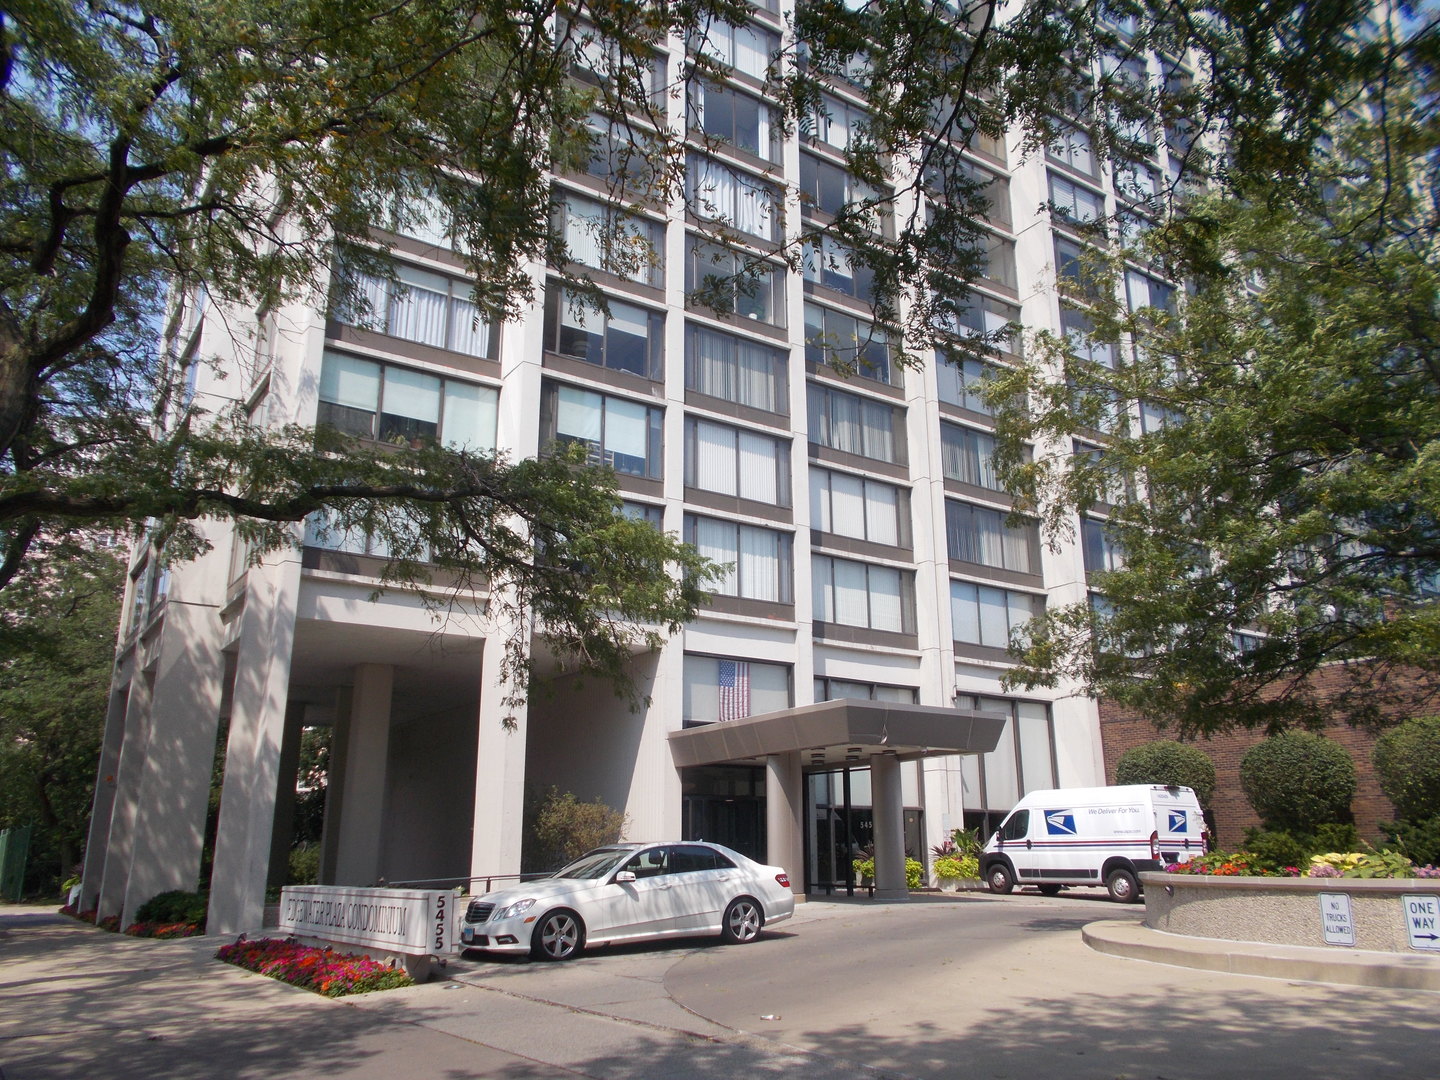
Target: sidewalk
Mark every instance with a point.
(77, 1003)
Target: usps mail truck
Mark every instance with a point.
(1094, 836)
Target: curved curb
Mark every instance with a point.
(1393, 971)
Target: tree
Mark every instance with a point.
(159, 148)
(1277, 509)
(57, 632)
(1298, 781)
(1165, 761)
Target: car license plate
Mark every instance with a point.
(467, 935)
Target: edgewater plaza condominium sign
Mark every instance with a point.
(417, 922)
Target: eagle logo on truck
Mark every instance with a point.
(1060, 822)
(1177, 821)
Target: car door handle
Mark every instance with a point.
(1029, 845)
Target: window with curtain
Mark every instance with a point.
(856, 425)
(606, 238)
(721, 193)
(1100, 548)
(835, 338)
(736, 461)
(752, 289)
(371, 400)
(630, 338)
(986, 615)
(968, 456)
(618, 432)
(1142, 291)
(859, 507)
(758, 558)
(420, 306)
(733, 369)
(747, 48)
(730, 116)
(979, 534)
(850, 593)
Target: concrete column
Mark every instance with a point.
(785, 817)
(361, 827)
(174, 795)
(129, 774)
(252, 755)
(889, 812)
(97, 843)
(499, 772)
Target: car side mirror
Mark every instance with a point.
(624, 877)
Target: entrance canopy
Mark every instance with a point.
(838, 733)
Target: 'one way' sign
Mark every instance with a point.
(1422, 921)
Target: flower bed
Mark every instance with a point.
(1353, 864)
(138, 929)
(323, 970)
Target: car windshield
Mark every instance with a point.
(594, 864)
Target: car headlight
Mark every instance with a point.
(517, 908)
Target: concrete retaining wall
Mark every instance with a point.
(1288, 911)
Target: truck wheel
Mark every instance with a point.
(999, 878)
(1124, 889)
(1049, 890)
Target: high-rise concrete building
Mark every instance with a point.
(872, 556)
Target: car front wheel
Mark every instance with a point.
(742, 922)
(560, 935)
(999, 878)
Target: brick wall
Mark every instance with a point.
(1121, 729)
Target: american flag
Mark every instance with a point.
(734, 689)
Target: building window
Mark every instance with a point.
(732, 117)
(1135, 180)
(960, 381)
(1074, 203)
(617, 432)
(830, 263)
(834, 122)
(850, 593)
(371, 400)
(321, 531)
(719, 688)
(605, 238)
(846, 505)
(835, 339)
(1023, 760)
(419, 306)
(733, 369)
(734, 461)
(985, 615)
(827, 188)
(728, 280)
(968, 456)
(746, 48)
(978, 534)
(1101, 550)
(839, 689)
(1072, 147)
(856, 425)
(998, 261)
(758, 558)
(1145, 292)
(980, 316)
(1079, 333)
(620, 154)
(719, 193)
(630, 338)
(638, 511)
(600, 60)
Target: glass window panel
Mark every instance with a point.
(994, 617)
(470, 415)
(851, 600)
(714, 458)
(760, 563)
(820, 516)
(1002, 786)
(1037, 771)
(965, 612)
(886, 610)
(578, 414)
(626, 428)
(759, 467)
(882, 514)
(716, 541)
(350, 381)
(412, 394)
(847, 505)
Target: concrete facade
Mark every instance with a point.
(878, 570)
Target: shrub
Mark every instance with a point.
(1171, 763)
(560, 828)
(304, 864)
(1407, 760)
(1297, 781)
(1420, 840)
(957, 866)
(914, 873)
(176, 906)
(1276, 850)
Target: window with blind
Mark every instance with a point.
(1072, 147)
(420, 306)
(968, 456)
(630, 338)
(735, 461)
(757, 559)
(979, 534)
(859, 507)
(856, 425)
(623, 434)
(986, 615)
(1075, 203)
(834, 338)
(850, 593)
(733, 369)
(371, 400)
(720, 193)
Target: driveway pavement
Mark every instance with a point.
(957, 987)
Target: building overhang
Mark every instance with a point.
(834, 733)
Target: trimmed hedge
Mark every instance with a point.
(1168, 762)
(1297, 781)
(176, 906)
(1407, 760)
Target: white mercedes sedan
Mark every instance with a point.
(631, 892)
